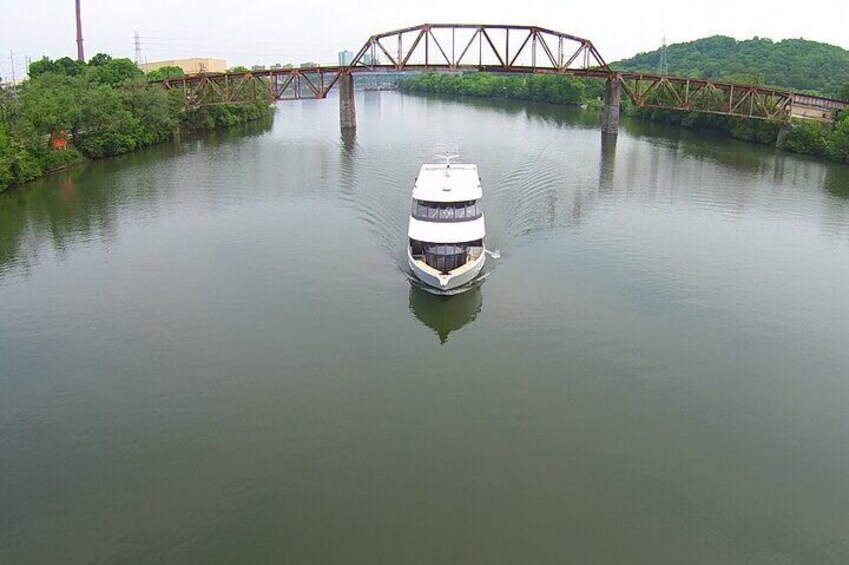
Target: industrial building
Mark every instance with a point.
(193, 66)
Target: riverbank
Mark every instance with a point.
(68, 112)
(805, 137)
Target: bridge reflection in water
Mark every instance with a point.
(445, 314)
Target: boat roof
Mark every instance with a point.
(452, 182)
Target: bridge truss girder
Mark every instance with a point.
(496, 49)
(672, 93)
(503, 48)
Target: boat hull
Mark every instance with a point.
(453, 280)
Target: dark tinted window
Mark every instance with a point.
(446, 211)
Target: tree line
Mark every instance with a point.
(68, 111)
(555, 89)
(792, 64)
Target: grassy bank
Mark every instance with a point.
(67, 112)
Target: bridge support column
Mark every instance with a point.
(610, 113)
(347, 110)
(782, 135)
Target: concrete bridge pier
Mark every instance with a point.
(610, 113)
(347, 110)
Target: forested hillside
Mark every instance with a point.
(795, 64)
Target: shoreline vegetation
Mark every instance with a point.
(805, 137)
(68, 112)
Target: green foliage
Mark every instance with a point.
(557, 89)
(105, 107)
(165, 72)
(99, 59)
(838, 141)
(114, 72)
(807, 138)
(212, 117)
(63, 66)
(795, 64)
(18, 162)
(52, 102)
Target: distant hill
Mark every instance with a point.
(795, 64)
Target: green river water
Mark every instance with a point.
(210, 351)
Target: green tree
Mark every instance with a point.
(51, 102)
(114, 72)
(99, 59)
(165, 72)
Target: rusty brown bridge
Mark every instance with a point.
(500, 49)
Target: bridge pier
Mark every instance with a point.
(610, 113)
(347, 110)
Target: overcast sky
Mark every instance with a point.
(269, 31)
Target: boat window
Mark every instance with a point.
(446, 257)
(446, 211)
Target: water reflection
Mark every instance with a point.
(86, 201)
(607, 164)
(445, 314)
(538, 112)
(837, 180)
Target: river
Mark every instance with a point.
(210, 351)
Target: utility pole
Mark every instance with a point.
(12, 59)
(80, 54)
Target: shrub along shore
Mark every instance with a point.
(67, 112)
(805, 137)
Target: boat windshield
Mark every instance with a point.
(446, 211)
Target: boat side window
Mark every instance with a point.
(460, 213)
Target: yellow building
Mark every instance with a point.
(193, 66)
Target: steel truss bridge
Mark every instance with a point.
(500, 49)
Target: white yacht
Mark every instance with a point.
(446, 234)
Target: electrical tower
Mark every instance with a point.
(663, 64)
(138, 49)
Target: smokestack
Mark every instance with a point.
(80, 54)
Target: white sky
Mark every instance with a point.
(270, 31)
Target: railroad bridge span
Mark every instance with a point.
(501, 49)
